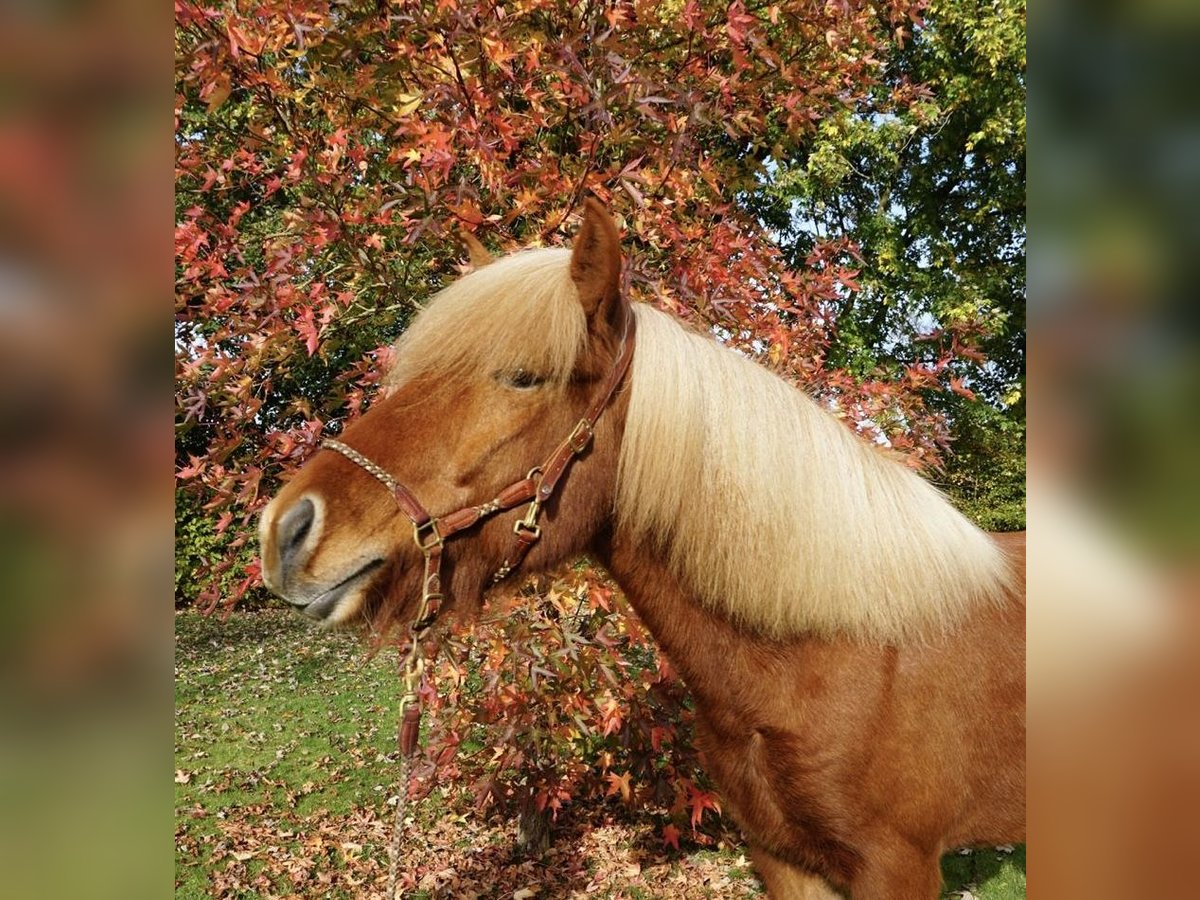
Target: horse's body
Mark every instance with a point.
(856, 649)
(860, 762)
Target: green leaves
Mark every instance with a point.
(924, 176)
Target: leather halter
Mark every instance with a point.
(536, 488)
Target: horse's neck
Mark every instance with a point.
(689, 634)
(721, 663)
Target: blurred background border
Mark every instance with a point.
(85, 460)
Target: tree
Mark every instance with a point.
(925, 182)
(327, 154)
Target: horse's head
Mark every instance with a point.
(489, 380)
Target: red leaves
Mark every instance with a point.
(195, 468)
(306, 327)
(658, 734)
(701, 801)
(738, 23)
(295, 165)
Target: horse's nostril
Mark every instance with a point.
(293, 528)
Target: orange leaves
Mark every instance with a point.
(600, 597)
(670, 836)
(468, 211)
(499, 54)
(243, 37)
(611, 718)
(217, 92)
(956, 385)
(619, 784)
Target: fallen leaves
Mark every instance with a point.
(253, 851)
(278, 799)
(285, 761)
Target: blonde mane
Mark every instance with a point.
(772, 512)
(521, 311)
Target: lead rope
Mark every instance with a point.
(413, 664)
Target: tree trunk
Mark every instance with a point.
(533, 829)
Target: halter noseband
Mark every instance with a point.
(536, 488)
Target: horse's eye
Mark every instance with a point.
(521, 379)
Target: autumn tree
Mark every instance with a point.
(787, 175)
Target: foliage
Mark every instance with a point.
(567, 697)
(986, 472)
(203, 561)
(326, 155)
(925, 179)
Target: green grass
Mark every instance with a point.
(272, 715)
(285, 756)
(986, 874)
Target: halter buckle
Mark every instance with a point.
(435, 537)
(580, 436)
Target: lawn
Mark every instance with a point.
(284, 760)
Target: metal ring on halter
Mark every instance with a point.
(435, 539)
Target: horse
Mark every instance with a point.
(855, 647)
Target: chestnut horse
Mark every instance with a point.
(855, 647)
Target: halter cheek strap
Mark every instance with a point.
(430, 533)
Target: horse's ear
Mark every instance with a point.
(596, 262)
(476, 251)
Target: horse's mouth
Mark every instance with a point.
(324, 605)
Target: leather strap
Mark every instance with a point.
(581, 435)
(411, 506)
(514, 495)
